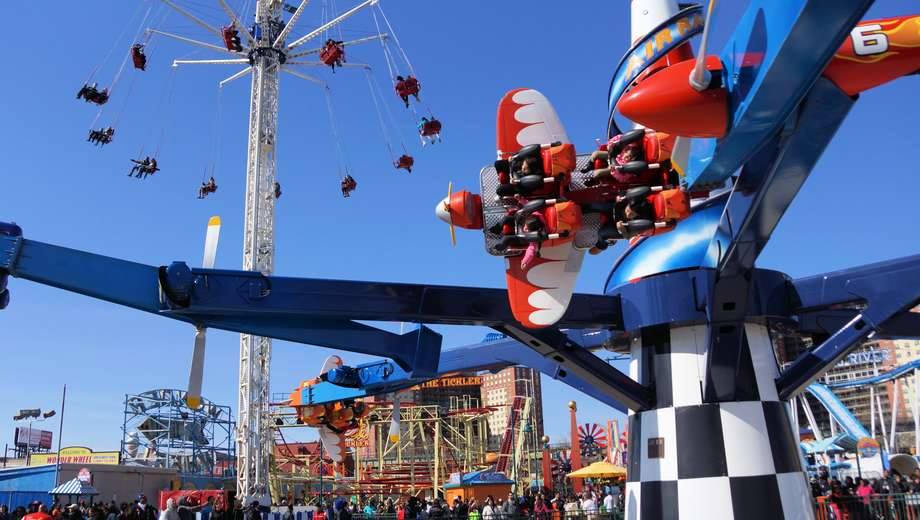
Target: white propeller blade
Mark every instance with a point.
(193, 396)
(700, 76)
(210, 243)
(196, 375)
(395, 432)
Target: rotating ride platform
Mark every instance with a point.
(690, 306)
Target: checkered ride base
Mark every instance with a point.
(690, 459)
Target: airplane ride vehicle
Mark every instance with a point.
(542, 205)
(333, 420)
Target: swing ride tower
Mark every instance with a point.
(266, 54)
(254, 440)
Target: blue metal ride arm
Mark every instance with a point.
(823, 323)
(310, 311)
(139, 286)
(383, 376)
(763, 191)
(578, 363)
(771, 62)
(825, 302)
(888, 289)
(211, 295)
(769, 182)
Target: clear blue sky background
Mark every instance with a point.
(858, 206)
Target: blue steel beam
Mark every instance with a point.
(889, 289)
(837, 288)
(776, 53)
(383, 376)
(823, 323)
(572, 359)
(310, 311)
(236, 297)
(768, 183)
(763, 191)
(824, 302)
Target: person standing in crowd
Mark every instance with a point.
(540, 509)
(509, 508)
(589, 506)
(170, 513)
(435, 512)
(489, 511)
(217, 512)
(143, 510)
(609, 502)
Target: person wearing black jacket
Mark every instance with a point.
(435, 512)
(143, 510)
(461, 510)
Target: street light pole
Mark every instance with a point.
(29, 444)
(57, 463)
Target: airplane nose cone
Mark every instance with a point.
(667, 103)
(442, 210)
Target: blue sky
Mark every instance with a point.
(857, 206)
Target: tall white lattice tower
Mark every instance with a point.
(265, 54)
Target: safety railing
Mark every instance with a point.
(873, 507)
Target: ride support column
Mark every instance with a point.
(690, 459)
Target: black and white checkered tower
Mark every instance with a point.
(694, 456)
(717, 443)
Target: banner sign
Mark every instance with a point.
(449, 382)
(40, 439)
(76, 455)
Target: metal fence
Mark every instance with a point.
(875, 507)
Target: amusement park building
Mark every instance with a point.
(907, 351)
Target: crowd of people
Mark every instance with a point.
(139, 509)
(592, 504)
(866, 497)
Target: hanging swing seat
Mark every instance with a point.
(333, 53)
(207, 188)
(430, 127)
(138, 57)
(92, 94)
(102, 136)
(405, 162)
(231, 36)
(348, 185)
(408, 87)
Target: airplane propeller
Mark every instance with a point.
(196, 374)
(450, 219)
(700, 77)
